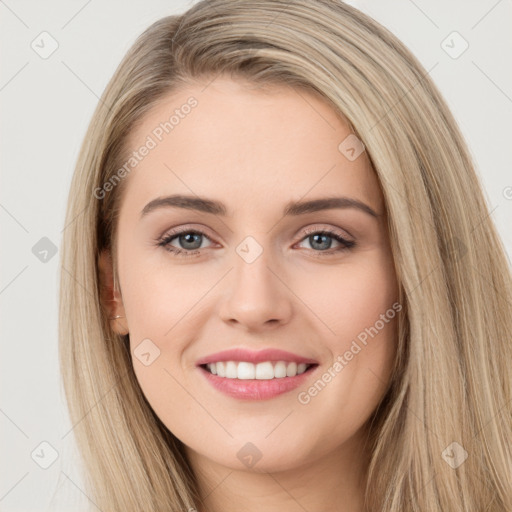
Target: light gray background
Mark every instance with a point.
(46, 105)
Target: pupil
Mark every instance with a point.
(189, 238)
(326, 245)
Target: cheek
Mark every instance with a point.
(157, 294)
(350, 298)
(358, 307)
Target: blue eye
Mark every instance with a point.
(187, 238)
(321, 238)
(191, 242)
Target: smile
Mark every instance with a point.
(255, 375)
(266, 370)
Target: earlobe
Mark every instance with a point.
(111, 300)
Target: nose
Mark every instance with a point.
(257, 297)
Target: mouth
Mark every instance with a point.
(247, 381)
(266, 370)
(255, 375)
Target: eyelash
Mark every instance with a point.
(164, 242)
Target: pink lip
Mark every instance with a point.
(254, 389)
(242, 354)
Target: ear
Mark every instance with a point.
(111, 300)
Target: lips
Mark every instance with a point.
(243, 385)
(253, 389)
(242, 354)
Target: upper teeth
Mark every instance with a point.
(263, 371)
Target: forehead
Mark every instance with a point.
(271, 143)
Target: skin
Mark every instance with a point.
(255, 150)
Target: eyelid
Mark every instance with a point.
(186, 228)
(331, 230)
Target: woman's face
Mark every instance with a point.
(252, 259)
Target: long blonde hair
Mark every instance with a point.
(452, 381)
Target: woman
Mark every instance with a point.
(283, 288)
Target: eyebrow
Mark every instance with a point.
(291, 209)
